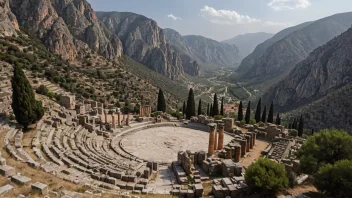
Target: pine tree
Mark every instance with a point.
(191, 105)
(264, 115)
(200, 107)
(184, 108)
(258, 111)
(240, 112)
(271, 114)
(208, 110)
(211, 110)
(248, 113)
(301, 126)
(222, 107)
(278, 119)
(27, 110)
(215, 105)
(161, 106)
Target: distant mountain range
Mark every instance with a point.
(276, 57)
(319, 87)
(246, 43)
(210, 54)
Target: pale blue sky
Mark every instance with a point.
(223, 19)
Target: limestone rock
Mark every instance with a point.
(8, 21)
(206, 52)
(144, 41)
(66, 27)
(320, 85)
(279, 58)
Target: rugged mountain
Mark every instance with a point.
(249, 61)
(68, 28)
(8, 21)
(209, 53)
(246, 43)
(327, 69)
(146, 43)
(280, 58)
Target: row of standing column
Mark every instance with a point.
(216, 140)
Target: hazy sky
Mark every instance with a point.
(223, 19)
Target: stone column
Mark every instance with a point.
(248, 138)
(237, 153)
(123, 119)
(216, 141)
(118, 119)
(243, 143)
(221, 137)
(212, 128)
(228, 153)
(128, 120)
(93, 123)
(254, 138)
(113, 125)
(106, 117)
(228, 124)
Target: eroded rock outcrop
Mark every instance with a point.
(8, 21)
(68, 28)
(145, 42)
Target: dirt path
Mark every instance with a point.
(260, 145)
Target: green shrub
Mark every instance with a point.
(293, 132)
(252, 121)
(325, 147)
(243, 122)
(42, 89)
(335, 180)
(218, 117)
(261, 124)
(51, 94)
(266, 176)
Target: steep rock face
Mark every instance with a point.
(207, 52)
(249, 61)
(67, 27)
(280, 58)
(333, 110)
(8, 21)
(145, 42)
(325, 70)
(246, 43)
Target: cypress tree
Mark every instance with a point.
(208, 110)
(215, 106)
(191, 105)
(278, 119)
(200, 107)
(258, 111)
(240, 112)
(222, 107)
(27, 110)
(211, 110)
(248, 113)
(161, 106)
(184, 108)
(264, 115)
(271, 114)
(301, 126)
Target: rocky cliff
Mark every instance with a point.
(246, 43)
(249, 61)
(146, 43)
(8, 21)
(67, 27)
(325, 70)
(281, 57)
(208, 53)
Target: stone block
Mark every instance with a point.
(21, 180)
(5, 189)
(2, 161)
(40, 187)
(7, 171)
(198, 189)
